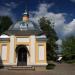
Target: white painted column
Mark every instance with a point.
(32, 50)
(28, 63)
(11, 56)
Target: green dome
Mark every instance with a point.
(24, 28)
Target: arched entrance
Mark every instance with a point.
(22, 51)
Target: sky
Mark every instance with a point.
(60, 12)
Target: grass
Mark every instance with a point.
(70, 61)
(50, 66)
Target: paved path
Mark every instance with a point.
(63, 69)
(60, 69)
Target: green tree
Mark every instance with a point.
(68, 47)
(5, 23)
(48, 30)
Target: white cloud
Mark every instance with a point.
(41, 11)
(11, 5)
(70, 28)
(6, 10)
(59, 42)
(59, 19)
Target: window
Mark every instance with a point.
(4, 52)
(41, 52)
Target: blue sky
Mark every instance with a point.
(61, 12)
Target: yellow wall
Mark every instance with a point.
(37, 52)
(27, 44)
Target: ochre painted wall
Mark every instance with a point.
(37, 61)
(43, 43)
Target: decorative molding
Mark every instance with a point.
(22, 39)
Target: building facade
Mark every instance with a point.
(23, 44)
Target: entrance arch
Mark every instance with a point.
(22, 51)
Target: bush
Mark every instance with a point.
(71, 61)
(50, 66)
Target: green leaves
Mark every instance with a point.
(48, 30)
(5, 23)
(68, 46)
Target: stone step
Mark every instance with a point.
(21, 68)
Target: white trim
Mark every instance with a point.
(32, 60)
(11, 56)
(22, 39)
(42, 36)
(4, 36)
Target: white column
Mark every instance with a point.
(28, 56)
(11, 56)
(32, 50)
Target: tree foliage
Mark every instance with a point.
(68, 46)
(5, 23)
(48, 30)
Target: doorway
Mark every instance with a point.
(21, 55)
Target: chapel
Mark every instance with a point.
(23, 44)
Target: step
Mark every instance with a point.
(21, 68)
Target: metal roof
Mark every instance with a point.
(24, 28)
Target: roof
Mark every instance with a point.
(30, 25)
(22, 33)
(4, 36)
(24, 28)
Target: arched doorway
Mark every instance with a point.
(22, 51)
